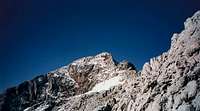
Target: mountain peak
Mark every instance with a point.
(83, 76)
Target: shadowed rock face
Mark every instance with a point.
(169, 82)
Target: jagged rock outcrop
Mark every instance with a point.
(169, 82)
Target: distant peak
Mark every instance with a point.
(104, 54)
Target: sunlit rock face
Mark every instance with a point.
(169, 82)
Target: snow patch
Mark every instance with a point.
(107, 84)
(42, 108)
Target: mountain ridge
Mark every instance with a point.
(169, 82)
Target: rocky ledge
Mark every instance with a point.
(169, 82)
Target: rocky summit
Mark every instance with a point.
(169, 82)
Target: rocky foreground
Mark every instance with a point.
(169, 82)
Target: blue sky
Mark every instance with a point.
(41, 35)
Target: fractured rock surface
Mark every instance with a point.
(169, 82)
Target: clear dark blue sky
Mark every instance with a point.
(37, 36)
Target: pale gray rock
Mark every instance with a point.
(196, 102)
(186, 107)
